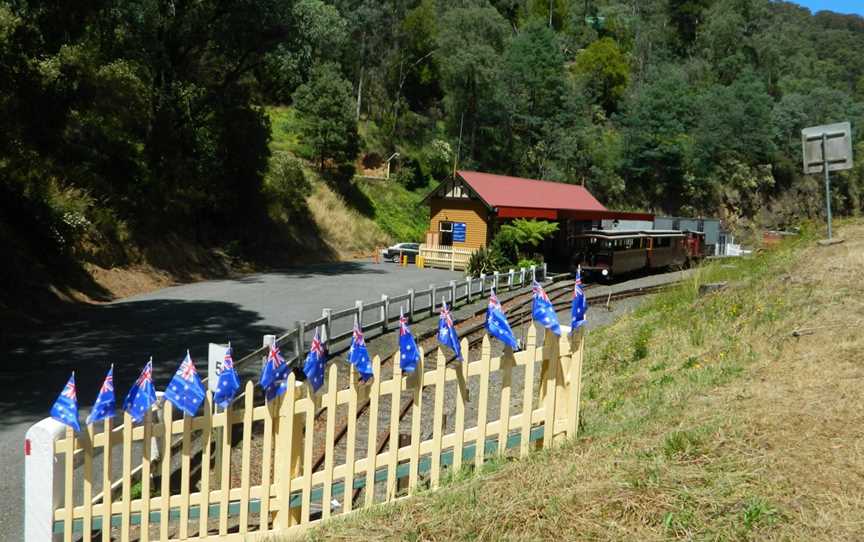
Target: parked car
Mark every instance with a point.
(395, 252)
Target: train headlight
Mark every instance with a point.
(605, 272)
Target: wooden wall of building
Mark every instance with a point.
(472, 212)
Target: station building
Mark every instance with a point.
(467, 210)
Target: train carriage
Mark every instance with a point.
(609, 253)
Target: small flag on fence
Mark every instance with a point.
(315, 360)
(409, 355)
(65, 409)
(580, 303)
(497, 324)
(141, 395)
(275, 368)
(447, 333)
(185, 391)
(228, 383)
(543, 311)
(358, 354)
(105, 402)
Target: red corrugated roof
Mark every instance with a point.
(503, 191)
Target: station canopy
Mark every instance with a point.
(516, 197)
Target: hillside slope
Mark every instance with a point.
(705, 417)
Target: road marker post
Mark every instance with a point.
(43, 479)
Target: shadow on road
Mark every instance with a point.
(35, 366)
(309, 271)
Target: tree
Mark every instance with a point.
(734, 122)
(469, 43)
(321, 33)
(604, 71)
(656, 122)
(531, 90)
(325, 111)
(686, 16)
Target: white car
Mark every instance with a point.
(395, 252)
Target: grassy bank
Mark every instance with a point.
(704, 417)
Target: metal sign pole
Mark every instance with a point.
(827, 181)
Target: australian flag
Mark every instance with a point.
(105, 402)
(313, 368)
(497, 324)
(447, 333)
(580, 303)
(228, 383)
(185, 391)
(408, 353)
(358, 354)
(65, 409)
(543, 311)
(275, 368)
(142, 394)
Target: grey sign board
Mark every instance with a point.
(836, 151)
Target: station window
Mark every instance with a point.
(445, 236)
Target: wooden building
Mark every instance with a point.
(466, 211)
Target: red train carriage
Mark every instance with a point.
(609, 253)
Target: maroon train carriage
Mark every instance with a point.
(608, 253)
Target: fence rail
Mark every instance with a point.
(445, 256)
(453, 423)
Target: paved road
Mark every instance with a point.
(164, 324)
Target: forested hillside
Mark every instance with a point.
(133, 123)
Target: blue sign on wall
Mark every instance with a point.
(458, 232)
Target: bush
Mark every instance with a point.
(286, 186)
(485, 261)
(513, 239)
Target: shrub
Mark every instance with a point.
(485, 261)
(286, 186)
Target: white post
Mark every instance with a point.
(495, 280)
(327, 313)
(267, 342)
(215, 356)
(468, 281)
(411, 305)
(533, 273)
(43, 479)
(359, 306)
(432, 300)
(385, 311)
(521, 276)
(452, 293)
(544, 271)
(510, 279)
(482, 283)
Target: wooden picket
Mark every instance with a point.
(291, 492)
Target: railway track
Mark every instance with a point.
(518, 310)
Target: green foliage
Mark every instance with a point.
(603, 70)
(325, 112)
(512, 240)
(398, 211)
(485, 260)
(286, 185)
(529, 233)
(320, 34)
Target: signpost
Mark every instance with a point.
(827, 148)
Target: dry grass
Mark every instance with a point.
(704, 419)
(344, 229)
